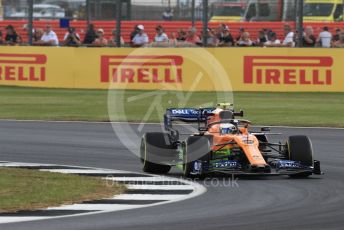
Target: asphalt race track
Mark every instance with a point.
(250, 203)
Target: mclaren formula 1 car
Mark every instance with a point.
(223, 144)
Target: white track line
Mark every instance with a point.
(7, 220)
(97, 207)
(196, 188)
(160, 187)
(146, 197)
(12, 164)
(143, 179)
(84, 171)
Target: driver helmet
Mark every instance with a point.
(227, 128)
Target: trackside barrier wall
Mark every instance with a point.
(187, 69)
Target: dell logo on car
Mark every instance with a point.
(180, 112)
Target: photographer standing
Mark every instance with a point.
(91, 35)
(309, 39)
(1, 38)
(71, 38)
(49, 37)
(12, 38)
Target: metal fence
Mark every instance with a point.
(102, 9)
(239, 10)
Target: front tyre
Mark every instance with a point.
(156, 150)
(196, 148)
(300, 149)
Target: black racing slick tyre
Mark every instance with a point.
(156, 151)
(195, 148)
(300, 149)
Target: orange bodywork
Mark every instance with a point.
(247, 142)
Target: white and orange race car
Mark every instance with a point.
(223, 144)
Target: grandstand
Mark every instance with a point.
(127, 27)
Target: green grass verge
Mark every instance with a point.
(295, 109)
(24, 189)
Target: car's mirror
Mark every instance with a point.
(265, 129)
(239, 114)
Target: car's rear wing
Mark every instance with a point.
(188, 115)
(191, 115)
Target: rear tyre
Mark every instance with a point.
(300, 149)
(196, 148)
(156, 151)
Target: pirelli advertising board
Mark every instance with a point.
(187, 69)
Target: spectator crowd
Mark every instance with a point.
(220, 36)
